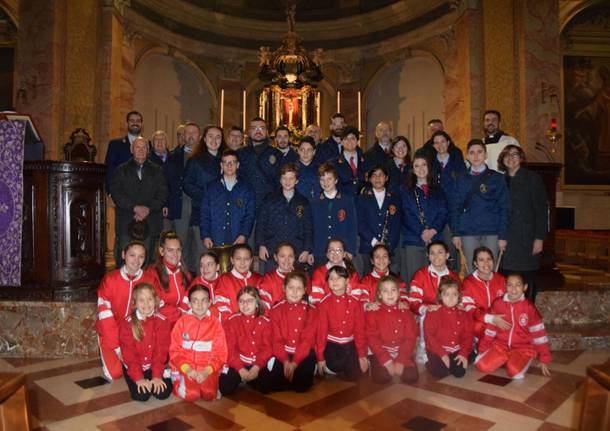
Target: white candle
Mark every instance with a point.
(338, 101)
(222, 108)
(244, 111)
(359, 111)
(318, 108)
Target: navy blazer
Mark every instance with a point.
(119, 152)
(309, 182)
(199, 172)
(281, 220)
(447, 177)
(396, 177)
(334, 218)
(435, 212)
(175, 169)
(327, 150)
(348, 183)
(260, 169)
(371, 219)
(376, 156)
(227, 214)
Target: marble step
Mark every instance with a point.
(575, 305)
(592, 336)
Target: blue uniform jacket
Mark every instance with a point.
(485, 211)
(279, 220)
(327, 150)
(309, 183)
(396, 178)
(435, 212)
(199, 172)
(348, 183)
(447, 177)
(371, 219)
(260, 170)
(227, 214)
(119, 152)
(290, 157)
(376, 156)
(334, 218)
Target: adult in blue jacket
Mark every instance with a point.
(447, 166)
(259, 161)
(378, 212)
(282, 143)
(424, 215)
(334, 215)
(399, 166)
(285, 216)
(309, 183)
(350, 165)
(228, 206)
(119, 150)
(480, 209)
(331, 148)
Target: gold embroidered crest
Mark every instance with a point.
(341, 215)
(239, 203)
(392, 209)
(300, 211)
(272, 159)
(483, 188)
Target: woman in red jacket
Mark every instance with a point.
(391, 333)
(336, 254)
(198, 349)
(448, 333)
(249, 336)
(144, 340)
(294, 323)
(209, 273)
(170, 277)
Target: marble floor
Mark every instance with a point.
(70, 395)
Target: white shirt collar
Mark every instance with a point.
(331, 195)
(236, 274)
(438, 274)
(329, 265)
(126, 275)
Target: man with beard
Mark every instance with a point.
(282, 143)
(235, 139)
(381, 152)
(495, 139)
(331, 148)
(119, 150)
(259, 161)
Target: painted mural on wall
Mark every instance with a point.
(587, 121)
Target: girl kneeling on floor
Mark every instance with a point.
(391, 335)
(249, 341)
(144, 341)
(294, 323)
(198, 349)
(448, 333)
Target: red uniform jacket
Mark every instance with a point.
(210, 284)
(319, 287)
(228, 287)
(527, 329)
(148, 353)
(341, 321)
(391, 334)
(448, 330)
(171, 302)
(423, 288)
(270, 287)
(248, 340)
(294, 330)
(198, 343)
(114, 303)
(368, 286)
(478, 294)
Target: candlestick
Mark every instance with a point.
(244, 110)
(359, 111)
(338, 101)
(222, 108)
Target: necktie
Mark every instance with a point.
(140, 171)
(475, 173)
(401, 167)
(426, 189)
(443, 165)
(352, 164)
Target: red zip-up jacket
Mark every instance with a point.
(391, 334)
(114, 296)
(319, 287)
(478, 294)
(148, 353)
(270, 287)
(448, 330)
(171, 301)
(341, 321)
(423, 288)
(248, 340)
(294, 330)
(228, 287)
(527, 329)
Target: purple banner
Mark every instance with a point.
(11, 200)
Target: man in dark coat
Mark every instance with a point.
(119, 150)
(380, 154)
(139, 190)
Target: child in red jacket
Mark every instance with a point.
(270, 287)
(480, 290)
(448, 333)
(249, 336)
(170, 279)
(336, 254)
(114, 302)
(517, 346)
(380, 259)
(341, 339)
(198, 349)
(391, 333)
(209, 273)
(294, 323)
(144, 340)
(231, 282)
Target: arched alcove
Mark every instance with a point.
(407, 93)
(168, 91)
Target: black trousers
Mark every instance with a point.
(343, 360)
(302, 379)
(229, 382)
(380, 374)
(437, 368)
(145, 396)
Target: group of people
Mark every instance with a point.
(358, 252)
(202, 337)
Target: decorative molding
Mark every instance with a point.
(230, 70)
(118, 5)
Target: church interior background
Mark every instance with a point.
(73, 64)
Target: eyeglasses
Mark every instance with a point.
(514, 155)
(336, 250)
(247, 301)
(259, 128)
(229, 162)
